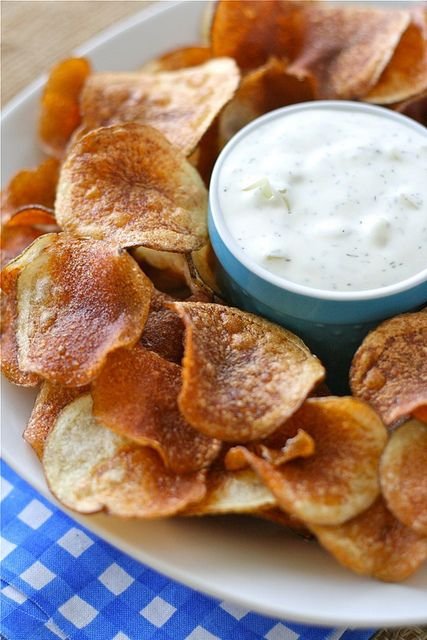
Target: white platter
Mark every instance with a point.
(254, 564)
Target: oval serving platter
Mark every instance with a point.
(256, 565)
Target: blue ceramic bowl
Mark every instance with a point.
(332, 323)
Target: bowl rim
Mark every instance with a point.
(227, 238)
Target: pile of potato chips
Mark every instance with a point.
(156, 397)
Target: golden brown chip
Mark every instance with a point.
(89, 468)
(403, 475)
(174, 274)
(340, 479)
(262, 90)
(22, 229)
(9, 315)
(14, 240)
(205, 263)
(168, 271)
(202, 287)
(135, 483)
(16, 236)
(346, 49)
(8, 345)
(31, 187)
(49, 403)
(60, 110)
(301, 445)
(128, 185)
(406, 73)
(375, 544)
(78, 300)
(232, 491)
(242, 375)
(250, 31)
(181, 58)
(176, 263)
(36, 215)
(180, 104)
(164, 331)
(389, 370)
(239, 490)
(136, 396)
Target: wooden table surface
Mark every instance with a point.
(37, 33)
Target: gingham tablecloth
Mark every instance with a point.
(59, 580)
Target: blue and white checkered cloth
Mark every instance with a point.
(61, 581)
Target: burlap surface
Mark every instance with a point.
(37, 33)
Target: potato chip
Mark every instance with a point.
(164, 331)
(9, 315)
(250, 31)
(8, 345)
(136, 396)
(206, 265)
(174, 274)
(406, 73)
(156, 199)
(36, 215)
(176, 263)
(340, 479)
(181, 58)
(51, 399)
(31, 187)
(301, 445)
(22, 229)
(242, 375)
(200, 291)
(78, 300)
(375, 544)
(89, 468)
(389, 370)
(238, 489)
(403, 475)
(180, 104)
(168, 271)
(262, 90)
(232, 491)
(346, 49)
(60, 110)
(14, 240)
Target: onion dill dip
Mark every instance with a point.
(329, 198)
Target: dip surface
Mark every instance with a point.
(328, 198)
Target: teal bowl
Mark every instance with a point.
(331, 323)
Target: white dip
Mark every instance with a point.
(331, 199)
